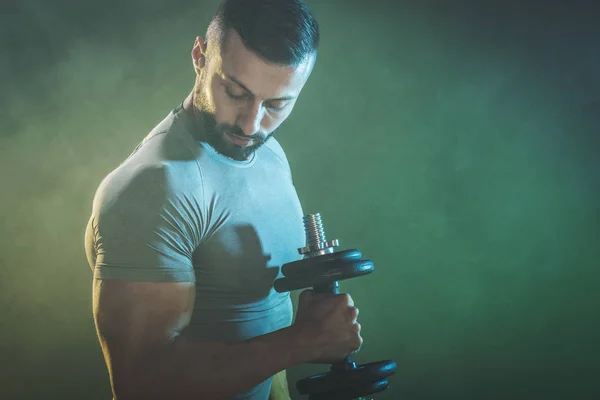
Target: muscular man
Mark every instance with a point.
(188, 233)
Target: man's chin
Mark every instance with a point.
(239, 153)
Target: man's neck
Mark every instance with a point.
(188, 104)
(188, 107)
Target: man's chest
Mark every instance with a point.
(252, 234)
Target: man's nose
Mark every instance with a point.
(250, 118)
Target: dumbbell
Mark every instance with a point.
(322, 268)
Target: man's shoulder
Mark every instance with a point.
(134, 184)
(274, 147)
(163, 158)
(155, 175)
(166, 141)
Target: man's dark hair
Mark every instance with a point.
(280, 31)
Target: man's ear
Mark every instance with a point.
(199, 54)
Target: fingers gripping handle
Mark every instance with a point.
(348, 362)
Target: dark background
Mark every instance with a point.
(455, 143)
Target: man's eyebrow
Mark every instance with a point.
(233, 79)
(240, 84)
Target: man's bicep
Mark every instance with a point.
(136, 321)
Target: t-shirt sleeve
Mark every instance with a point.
(144, 227)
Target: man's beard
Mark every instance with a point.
(215, 136)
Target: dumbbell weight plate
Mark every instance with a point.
(327, 273)
(352, 392)
(363, 377)
(310, 264)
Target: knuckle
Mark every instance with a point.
(346, 299)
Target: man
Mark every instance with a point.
(188, 234)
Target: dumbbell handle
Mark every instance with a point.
(348, 362)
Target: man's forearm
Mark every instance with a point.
(192, 369)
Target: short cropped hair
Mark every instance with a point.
(280, 31)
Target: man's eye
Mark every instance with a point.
(233, 95)
(276, 107)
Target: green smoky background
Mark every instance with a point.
(455, 143)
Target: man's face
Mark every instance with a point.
(240, 98)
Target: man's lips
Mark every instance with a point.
(238, 140)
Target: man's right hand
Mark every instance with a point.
(328, 324)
